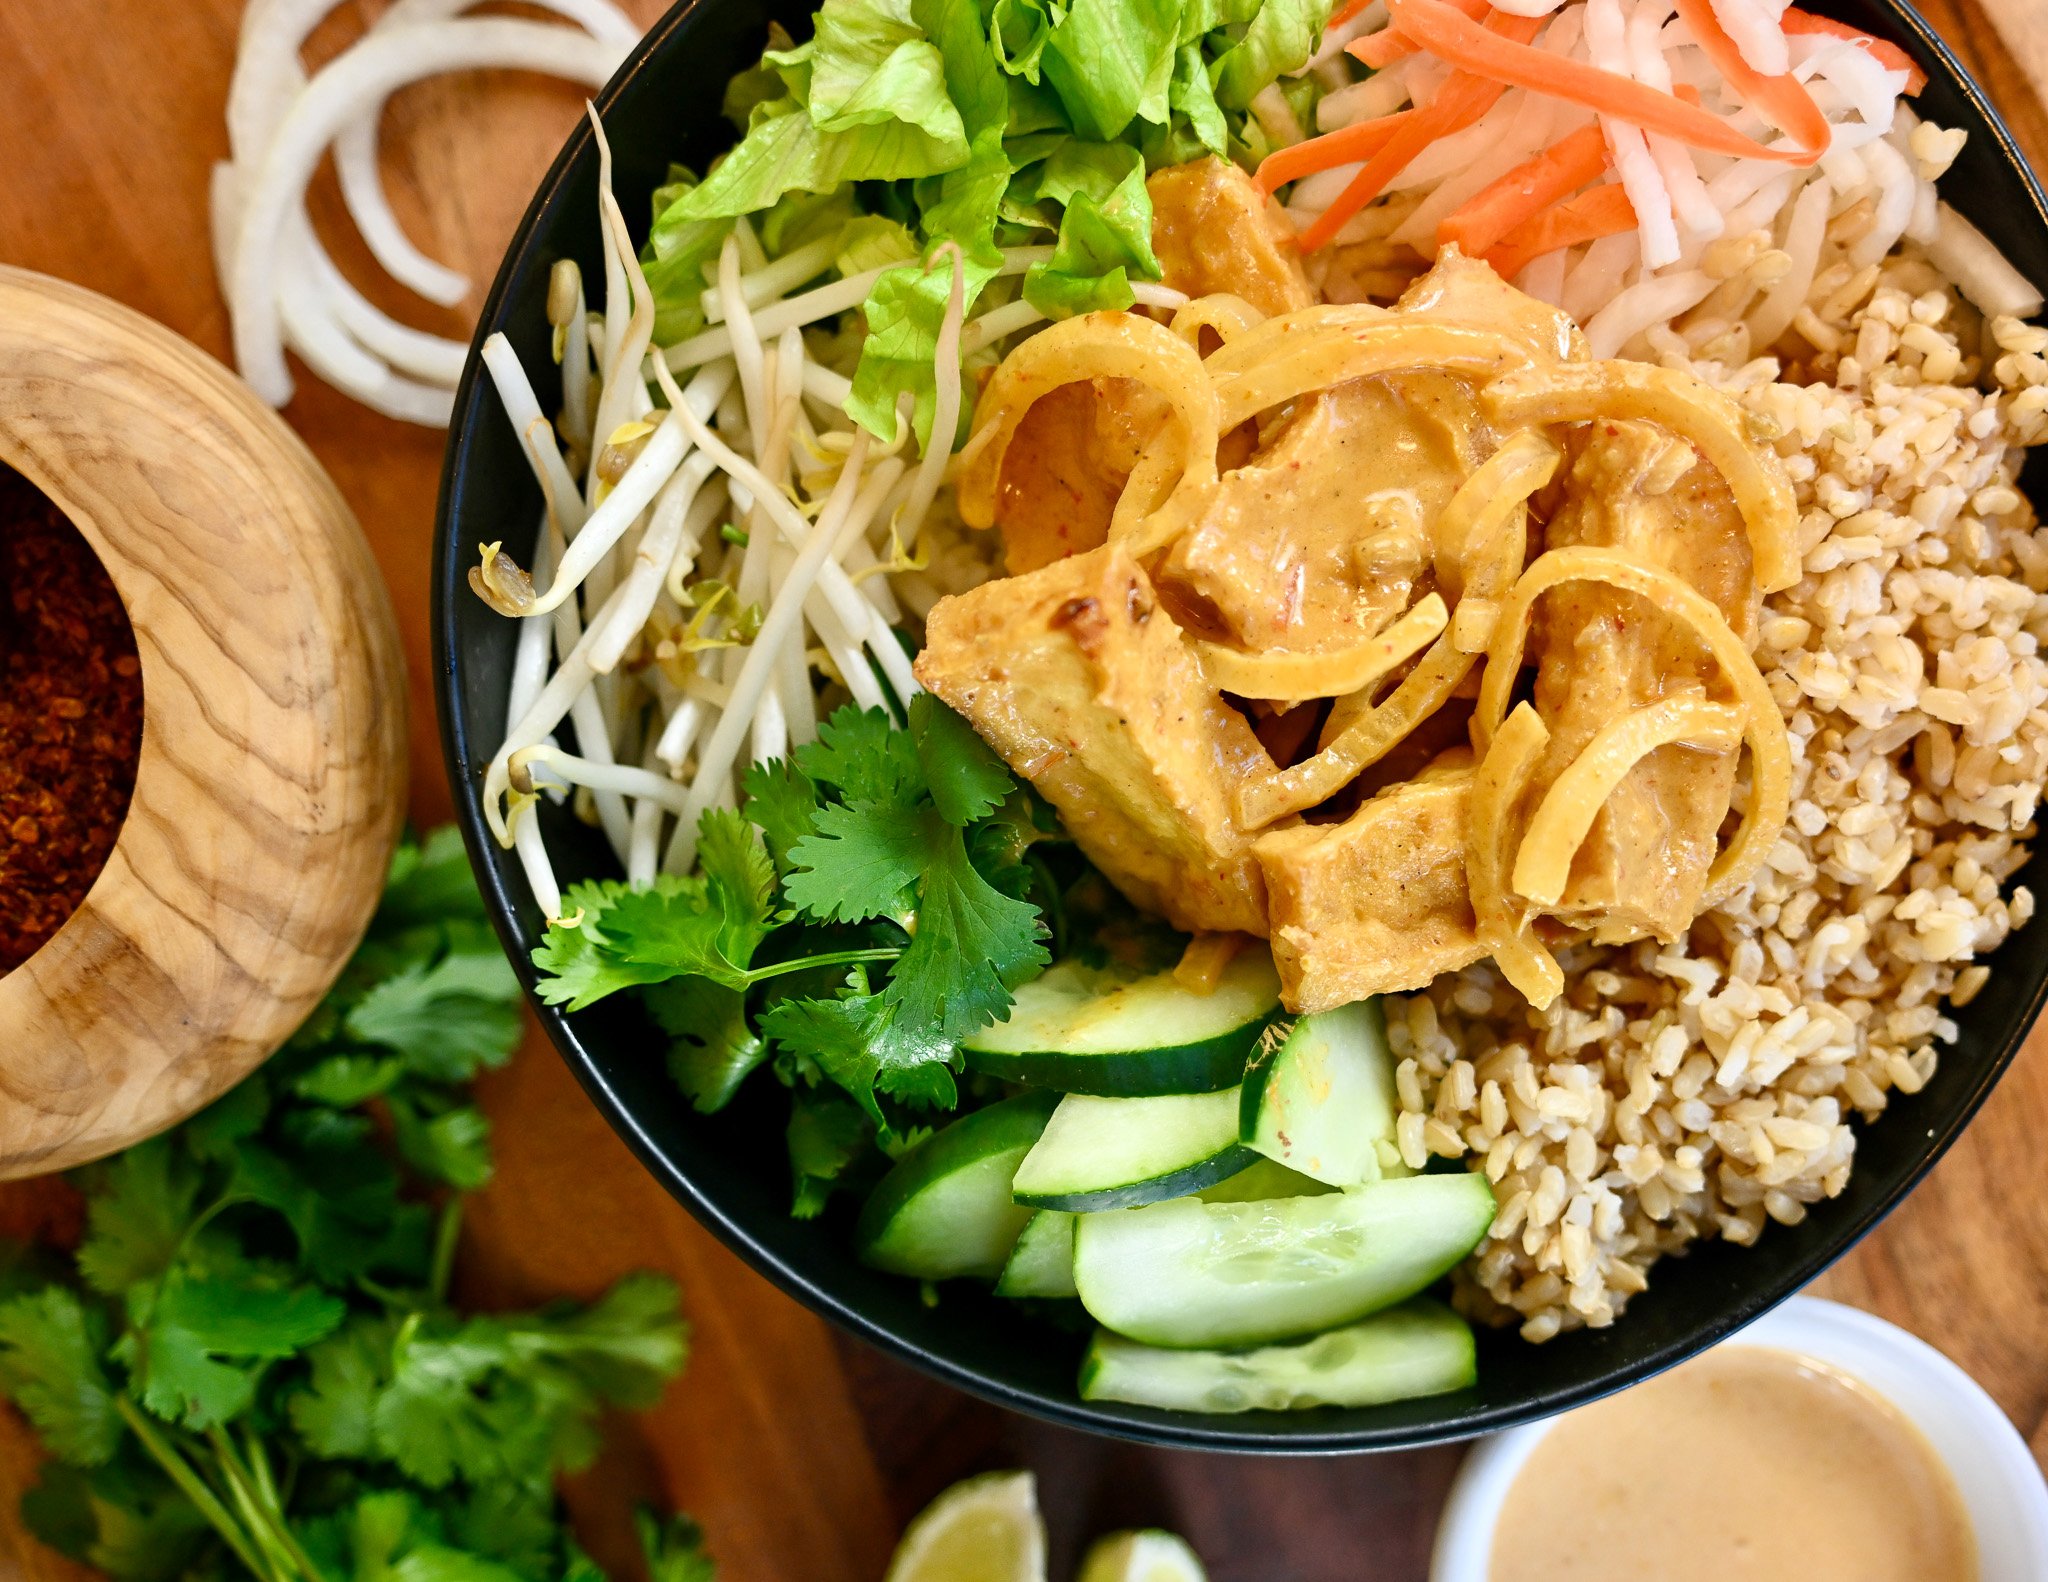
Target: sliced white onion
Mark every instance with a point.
(363, 75)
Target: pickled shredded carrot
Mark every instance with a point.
(1883, 51)
(1360, 140)
(1464, 98)
(1531, 187)
(1451, 36)
(1390, 43)
(1782, 100)
(1605, 211)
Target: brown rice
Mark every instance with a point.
(1705, 1088)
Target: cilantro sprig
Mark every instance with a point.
(868, 907)
(252, 1366)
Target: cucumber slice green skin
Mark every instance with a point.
(944, 1209)
(1419, 1348)
(1193, 1275)
(1042, 1262)
(1263, 1179)
(1099, 1154)
(1319, 1097)
(1079, 1031)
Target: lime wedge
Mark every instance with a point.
(983, 1530)
(1149, 1556)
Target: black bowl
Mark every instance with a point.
(729, 1169)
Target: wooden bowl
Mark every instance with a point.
(271, 781)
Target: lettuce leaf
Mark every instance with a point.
(786, 151)
(679, 257)
(1111, 61)
(1105, 231)
(973, 78)
(871, 64)
(904, 312)
(1280, 37)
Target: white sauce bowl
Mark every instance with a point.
(2000, 1484)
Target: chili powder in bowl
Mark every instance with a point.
(70, 717)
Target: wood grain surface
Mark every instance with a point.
(273, 754)
(801, 1451)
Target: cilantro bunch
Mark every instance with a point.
(251, 1366)
(877, 899)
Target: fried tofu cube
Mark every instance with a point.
(1087, 687)
(1377, 903)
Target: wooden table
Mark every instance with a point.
(802, 1451)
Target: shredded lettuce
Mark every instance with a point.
(678, 253)
(904, 313)
(1278, 36)
(1105, 229)
(988, 123)
(1112, 60)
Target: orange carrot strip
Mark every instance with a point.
(1605, 211)
(1445, 116)
(1390, 43)
(1463, 99)
(1381, 49)
(1883, 51)
(1555, 173)
(1450, 36)
(1360, 140)
(1781, 100)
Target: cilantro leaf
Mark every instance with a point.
(347, 1079)
(448, 1409)
(863, 756)
(826, 1135)
(129, 1522)
(742, 880)
(334, 1409)
(860, 863)
(848, 1037)
(199, 1320)
(449, 1144)
(711, 1047)
(140, 1204)
(781, 801)
(430, 882)
(624, 1347)
(50, 1346)
(390, 1536)
(967, 780)
(683, 928)
(673, 1549)
(581, 962)
(707, 924)
(445, 1020)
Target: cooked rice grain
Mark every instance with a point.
(1705, 1088)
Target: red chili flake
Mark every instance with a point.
(70, 718)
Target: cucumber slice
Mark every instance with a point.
(1042, 1262)
(1259, 1180)
(944, 1209)
(1419, 1348)
(1191, 1274)
(1083, 1031)
(1319, 1097)
(1112, 1153)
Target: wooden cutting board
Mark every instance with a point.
(803, 1452)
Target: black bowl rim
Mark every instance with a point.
(1191, 1432)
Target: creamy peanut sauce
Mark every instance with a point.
(1746, 1463)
